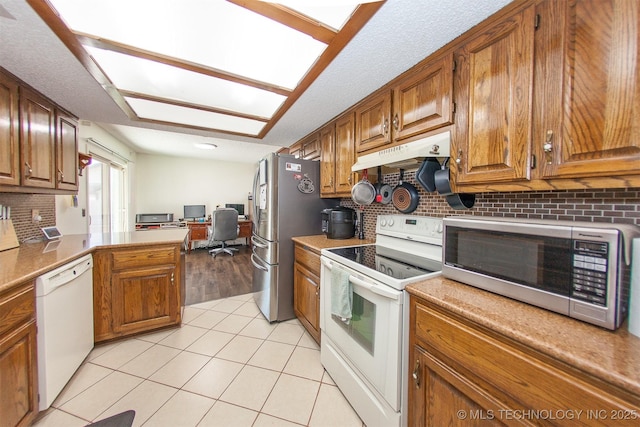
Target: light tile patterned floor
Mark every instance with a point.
(226, 366)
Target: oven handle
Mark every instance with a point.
(376, 289)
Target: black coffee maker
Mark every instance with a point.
(339, 222)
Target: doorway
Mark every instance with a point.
(106, 196)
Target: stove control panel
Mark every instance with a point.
(410, 227)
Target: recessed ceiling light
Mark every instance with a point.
(206, 145)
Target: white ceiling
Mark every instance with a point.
(402, 33)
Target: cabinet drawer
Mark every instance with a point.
(244, 229)
(523, 377)
(306, 257)
(16, 306)
(143, 257)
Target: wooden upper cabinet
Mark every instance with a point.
(9, 157)
(296, 150)
(589, 116)
(374, 123)
(66, 152)
(37, 140)
(493, 84)
(423, 100)
(327, 160)
(345, 154)
(311, 147)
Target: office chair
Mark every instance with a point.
(224, 227)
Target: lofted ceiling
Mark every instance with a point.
(154, 72)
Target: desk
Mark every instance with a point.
(200, 231)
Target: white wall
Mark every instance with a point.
(165, 184)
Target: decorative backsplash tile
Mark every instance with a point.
(21, 206)
(619, 206)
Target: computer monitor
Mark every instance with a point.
(194, 211)
(237, 206)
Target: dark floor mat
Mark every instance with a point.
(124, 419)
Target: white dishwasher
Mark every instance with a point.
(64, 313)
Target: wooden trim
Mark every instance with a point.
(175, 62)
(290, 18)
(363, 13)
(137, 95)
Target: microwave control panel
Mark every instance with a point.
(590, 271)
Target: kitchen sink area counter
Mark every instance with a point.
(31, 260)
(545, 355)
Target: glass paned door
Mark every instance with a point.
(106, 196)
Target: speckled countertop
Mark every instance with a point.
(610, 355)
(30, 260)
(320, 242)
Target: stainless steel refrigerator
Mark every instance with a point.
(286, 204)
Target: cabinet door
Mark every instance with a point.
(439, 396)
(18, 376)
(423, 101)
(345, 154)
(373, 123)
(306, 297)
(296, 150)
(145, 298)
(66, 152)
(37, 140)
(311, 147)
(493, 85)
(327, 160)
(9, 154)
(593, 119)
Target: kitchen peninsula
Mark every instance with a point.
(129, 268)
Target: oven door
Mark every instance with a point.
(371, 342)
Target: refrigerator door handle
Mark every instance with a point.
(258, 243)
(256, 264)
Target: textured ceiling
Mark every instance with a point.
(401, 34)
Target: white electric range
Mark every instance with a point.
(366, 355)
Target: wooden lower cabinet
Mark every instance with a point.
(461, 374)
(306, 289)
(136, 290)
(18, 359)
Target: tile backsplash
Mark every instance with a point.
(619, 206)
(21, 206)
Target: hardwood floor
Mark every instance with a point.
(224, 276)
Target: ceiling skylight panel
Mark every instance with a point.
(193, 117)
(214, 33)
(160, 80)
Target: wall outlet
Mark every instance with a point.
(35, 215)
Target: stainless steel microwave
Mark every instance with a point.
(579, 269)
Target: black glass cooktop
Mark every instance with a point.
(387, 261)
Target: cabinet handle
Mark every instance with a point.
(350, 179)
(29, 171)
(548, 147)
(416, 374)
(385, 126)
(60, 176)
(173, 281)
(396, 122)
(459, 159)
